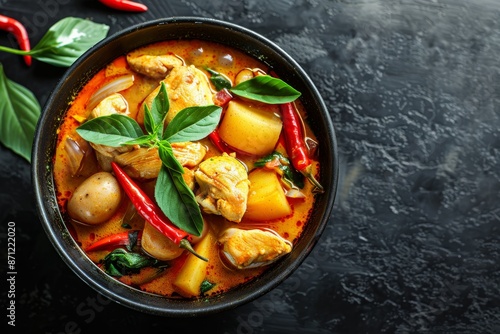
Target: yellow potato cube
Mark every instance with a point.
(252, 128)
(193, 272)
(266, 198)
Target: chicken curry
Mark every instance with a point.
(176, 170)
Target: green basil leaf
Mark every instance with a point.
(154, 117)
(175, 198)
(193, 123)
(220, 81)
(67, 40)
(159, 109)
(144, 141)
(168, 158)
(19, 113)
(120, 262)
(206, 286)
(148, 120)
(267, 89)
(111, 130)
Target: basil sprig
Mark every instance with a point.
(65, 41)
(19, 113)
(172, 194)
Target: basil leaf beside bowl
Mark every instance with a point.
(67, 40)
(19, 113)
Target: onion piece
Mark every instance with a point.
(294, 193)
(80, 156)
(117, 85)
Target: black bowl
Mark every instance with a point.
(121, 43)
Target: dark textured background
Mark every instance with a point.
(413, 244)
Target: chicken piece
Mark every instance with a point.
(113, 104)
(252, 248)
(189, 154)
(188, 177)
(186, 86)
(145, 163)
(142, 163)
(153, 66)
(224, 186)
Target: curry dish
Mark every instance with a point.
(251, 203)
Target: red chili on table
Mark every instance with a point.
(295, 143)
(19, 31)
(129, 6)
(152, 212)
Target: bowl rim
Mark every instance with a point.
(122, 294)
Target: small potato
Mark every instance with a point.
(251, 128)
(96, 199)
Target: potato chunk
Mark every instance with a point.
(193, 272)
(266, 197)
(252, 128)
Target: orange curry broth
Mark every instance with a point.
(200, 54)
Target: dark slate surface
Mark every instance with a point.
(413, 244)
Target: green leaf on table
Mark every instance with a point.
(174, 197)
(19, 113)
(111, 130)
(267, 89)
(193, 123)
(67, 40)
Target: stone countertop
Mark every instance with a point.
(413, 243)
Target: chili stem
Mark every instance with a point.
(19, 31)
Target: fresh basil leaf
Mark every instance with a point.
(220, 81)
(67, 40)
(168, 158)
(206, 286)
(120, 262)
(159, 109)
(144, 141)
(149, 123)
(193, 123)
(176, 199)
(19, 113)
(267, 89)
(111, 130)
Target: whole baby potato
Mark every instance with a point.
(96, 199)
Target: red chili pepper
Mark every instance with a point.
(218, 142)
(19, 31)
(295, 143)
(222, 97)
(151, 212)
(112, 241)
(129, 6)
